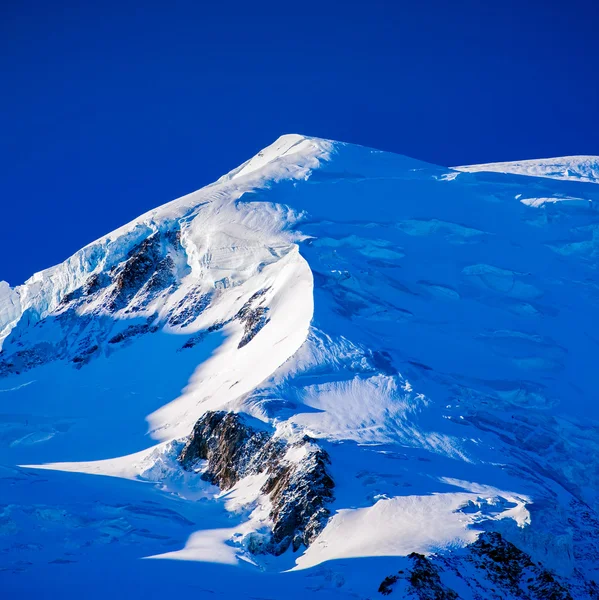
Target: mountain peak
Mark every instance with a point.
(290, 147)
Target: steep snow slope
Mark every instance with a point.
(572, 168)
(422, 336)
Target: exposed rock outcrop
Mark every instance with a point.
(506, 566)
(490, 568)
(86, 314)
(132, 331)
(422, 581)
(253, 317)
(89, 315)
(189, 308)
(426, 582)
(254, 320)
(299, 490)
(299, 496)
(232, 448)
(142, 263)
(94, 284)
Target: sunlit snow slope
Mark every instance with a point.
(571, 168)
(435, 331)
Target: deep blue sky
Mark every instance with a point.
(110, 108)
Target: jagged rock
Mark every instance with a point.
(491, 567)
(189, 308)
(162, 279)
(217, 326)
(200, 336)
(232, 448)
(140, 265)
(512, 569)
(253, 318)
(95, 283)
(425, 581)
(247, 306)
(422, 581)
(81, 344)
(299, 495)
(71, 297)
(130, 332)
(387, 584)
(299, 492)
(194, 340)
(85, 354)
(147, 271)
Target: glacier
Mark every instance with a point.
(432, 331)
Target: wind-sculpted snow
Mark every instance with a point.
(574, 168)
(430, 331)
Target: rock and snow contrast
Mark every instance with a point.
(334, 372)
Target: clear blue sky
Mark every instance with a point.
(110, 108)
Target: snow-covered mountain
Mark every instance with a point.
(335, 371)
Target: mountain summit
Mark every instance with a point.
(344, 372)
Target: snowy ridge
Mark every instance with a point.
(420, 329)
(571, 168)
(291, 157)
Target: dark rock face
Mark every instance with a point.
(194, 340)
(161, 279)
(387, 584)
(85, 354)
(425, 580)
(510, 568)
(189, 308)
(299, 492)
(147, 272)
(299, 498)
(254, 320)
(491, 567)
(131, 331)
(135, 286)
(505, 562)
(141, 263)
(93, 284)
(232, 448)
(253, 317)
